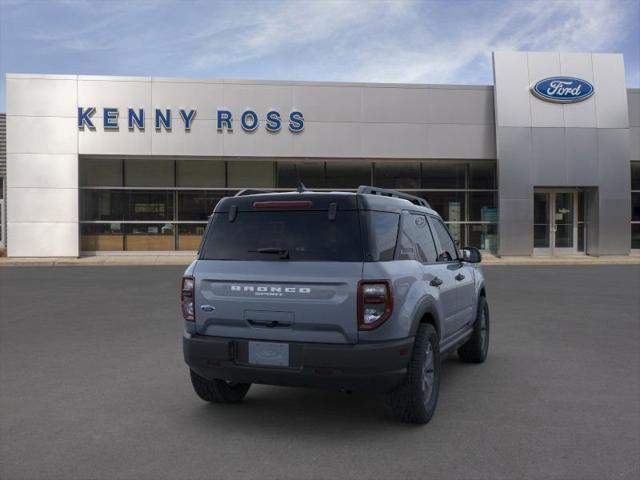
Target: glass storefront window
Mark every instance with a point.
(126, 205)
(148, 237)
(149, 173)
(103, 205)
(200, 173)
(635, 235)
(310, 173)
(190, 236)
(483, 236)
(458, 233)
(450, 205)
(348, 174)
(635, 206)
(441, 175)
(482, 175)
(635, 175)
(258, 174)
(482, 207)
(102, 172)
(96, 237)
(397, 175)
(199, 205)
(150, 205)
(130, 202)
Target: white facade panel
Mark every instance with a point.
(581, 114)
(120, 141)
(544, 114)
(395, 140)
(42, 170)
(460, 106)
(260, 143)
(42, 239)
(634, 107)
(612, 109)
(327, 140)
(41, 97)
(260, 98)
(446, 141)
(511, 73)
(41, 134)
(634, 134)
(328, 103)
(114, 93)
(43, 205)
(395, 105)
(205, 97)
(203, 139)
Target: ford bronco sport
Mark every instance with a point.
(353, 291)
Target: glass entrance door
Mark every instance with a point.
(554, 222)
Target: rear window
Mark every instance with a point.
(284, 236)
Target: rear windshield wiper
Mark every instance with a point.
(284, 253)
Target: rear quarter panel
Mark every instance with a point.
(412, 297)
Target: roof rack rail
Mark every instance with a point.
(251, 191)
(365, 189)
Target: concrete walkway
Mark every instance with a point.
(187, 259)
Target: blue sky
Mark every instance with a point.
(440, 41)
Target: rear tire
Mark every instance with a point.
(477, 347)
(218, 391)
(415, 400)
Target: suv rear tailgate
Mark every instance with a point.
(279, 301)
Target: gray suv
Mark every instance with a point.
(352, 291)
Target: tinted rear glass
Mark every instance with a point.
(383, 233)
(303, 235)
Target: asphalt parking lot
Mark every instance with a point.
(93, 386)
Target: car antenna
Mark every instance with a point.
(300, 186)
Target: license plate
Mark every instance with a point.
(269, 353)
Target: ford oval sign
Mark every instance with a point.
(562, 89)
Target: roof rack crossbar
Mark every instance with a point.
(384, 192)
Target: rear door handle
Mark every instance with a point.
(459, 277)
(436, 282)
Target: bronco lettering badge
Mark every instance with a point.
(269, 291)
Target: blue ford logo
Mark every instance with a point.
(562, 89)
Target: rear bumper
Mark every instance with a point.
(375, 367)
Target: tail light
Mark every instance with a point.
(186, 298)
(375, 303)
(284, 204)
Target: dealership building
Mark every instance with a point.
(546, 161)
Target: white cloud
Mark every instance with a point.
(571, 25)
(349, 40)
(267, 28)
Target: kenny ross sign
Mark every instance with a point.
(249, 120)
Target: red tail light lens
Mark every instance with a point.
(186, 298)
(375, 303)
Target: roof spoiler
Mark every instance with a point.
(251, 191)
(383, 192)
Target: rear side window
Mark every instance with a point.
(416, 242)
(284, 236)
(382, 234)
(447, 251)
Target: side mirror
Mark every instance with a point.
(471, 255)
